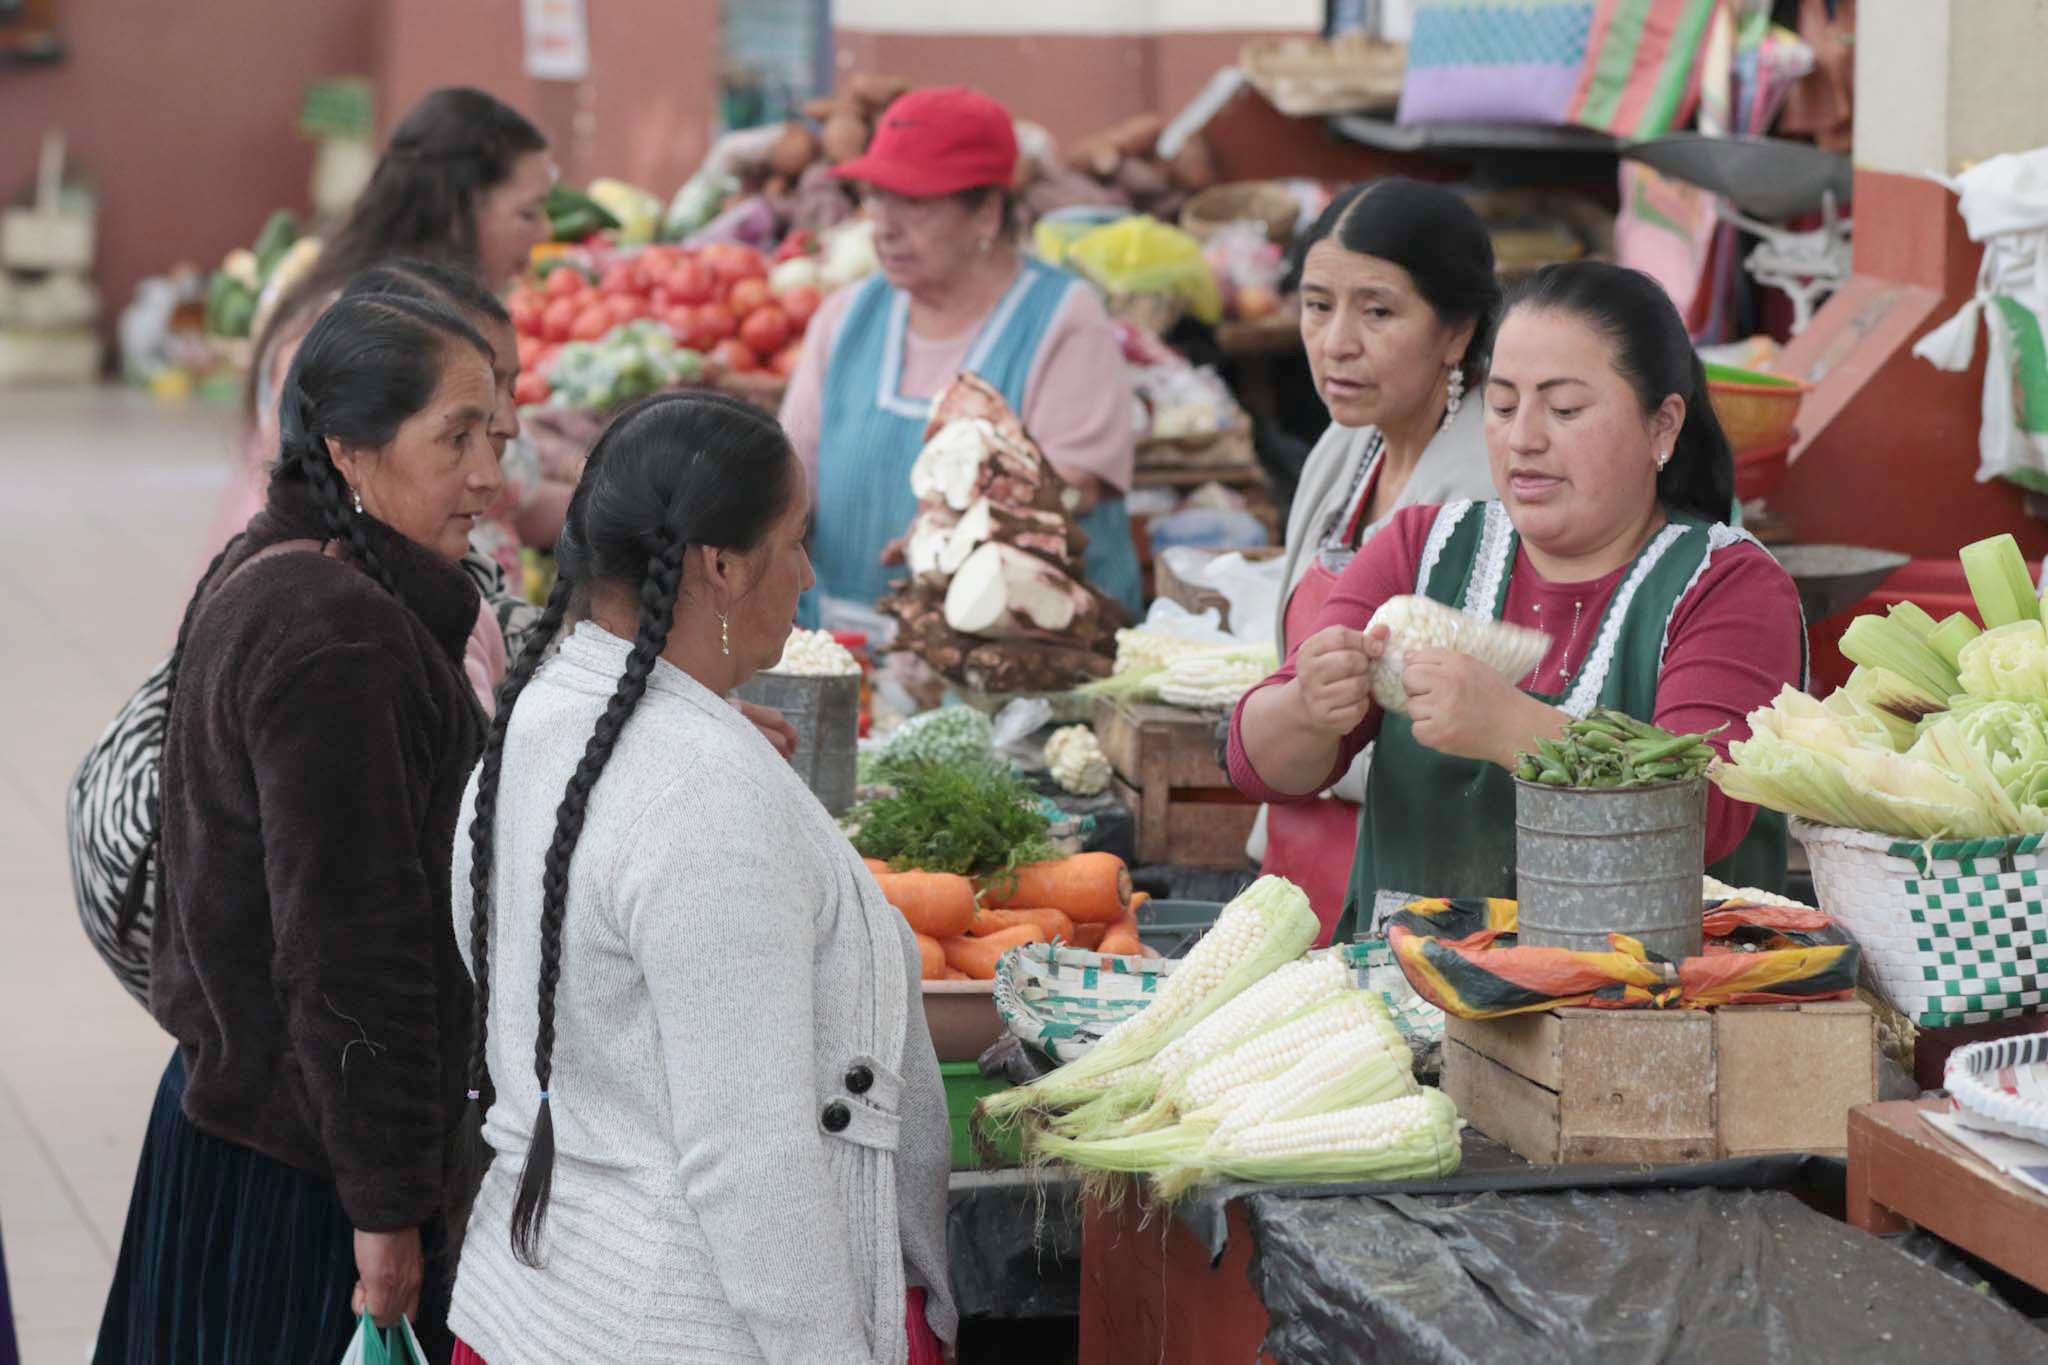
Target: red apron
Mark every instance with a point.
(1311, 844)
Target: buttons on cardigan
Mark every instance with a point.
(859, 1079)
(836, 1117)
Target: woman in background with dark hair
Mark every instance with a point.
(1398, 301)
(1614, 483)
(719, 1128)
(302, 1149)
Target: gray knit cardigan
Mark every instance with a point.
(752, 1143)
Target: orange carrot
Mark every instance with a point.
(954, 974)
(1054, 922)
(938, 904)
(934, 958)
(1089, 936)
(978, 956)
(875, 865)
(1091, 888)
(1122, 938)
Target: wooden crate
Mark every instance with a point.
(1664, 1085)
(1185, 809)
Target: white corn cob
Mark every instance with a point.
(1292, 987)
(1267, 1054)
(1423, 623)
(1361, 1128)
(1362, 1063)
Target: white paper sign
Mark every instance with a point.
(557, 40)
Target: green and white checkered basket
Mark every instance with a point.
(1952, 931)
(1062, 1000)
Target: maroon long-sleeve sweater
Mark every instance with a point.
(1735, 640)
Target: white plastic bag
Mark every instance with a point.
(374, 1345)
(2004, 202)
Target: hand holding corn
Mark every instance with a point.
(1332, 677)
(1463, 707)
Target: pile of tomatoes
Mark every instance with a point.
(715, 299)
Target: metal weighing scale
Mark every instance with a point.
(1759, 182)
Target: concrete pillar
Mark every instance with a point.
(1942, 84)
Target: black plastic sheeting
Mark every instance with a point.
(1613, 1275)
(1014, 1245)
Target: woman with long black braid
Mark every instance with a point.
(719, 1129)
(303, 1148)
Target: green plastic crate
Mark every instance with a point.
(965, 1087)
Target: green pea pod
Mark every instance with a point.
(1555, 775)
(1527, 769)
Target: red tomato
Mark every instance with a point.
(766, 330)
(747, 295)
(659, 299)
(592, 323)
(800, 302)
(620, 280)
(559, 319)
(784, 364)
(627, 307)
(530, 389)
(733, 263)
(565, 280)
(526, 306)
(716, 323)
(736, 356)
(690, 282)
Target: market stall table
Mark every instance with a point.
(1709, 1261)
(1901, 1169)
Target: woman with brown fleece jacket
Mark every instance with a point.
(301, 1154)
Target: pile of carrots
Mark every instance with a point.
(963, 927)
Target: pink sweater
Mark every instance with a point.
(1077, 402)
(1735, 640)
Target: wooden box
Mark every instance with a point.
(1184, 807)
(1665, 1085)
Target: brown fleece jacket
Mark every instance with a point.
(321, 731)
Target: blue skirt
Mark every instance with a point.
(230, 1256)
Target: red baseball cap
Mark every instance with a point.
(941, 141)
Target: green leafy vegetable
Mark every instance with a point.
(976, 819)
(1612, 749)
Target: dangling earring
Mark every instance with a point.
(1663, 458)
(724, 635)
(357, 494)
(1454, 395)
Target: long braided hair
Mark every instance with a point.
(671, 472)
(365, 367)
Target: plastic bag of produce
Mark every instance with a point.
(2004, 202)
(1144, 256)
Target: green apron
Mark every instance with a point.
(1437, 825)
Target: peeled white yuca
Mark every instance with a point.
(1425, 623)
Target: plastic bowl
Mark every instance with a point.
(1757, 411)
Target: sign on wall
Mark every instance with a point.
(557, 40)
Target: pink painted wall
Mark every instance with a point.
(185, 114)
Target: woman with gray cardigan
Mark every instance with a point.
(1398, 302)
(718, 1124)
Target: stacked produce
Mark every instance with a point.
(815, 654)
(250, 281)
(1157, 665)
(1941, 732)
(1257, 1061)
(1613, 749)
(1075, 758)
(724, 303)
(996, 597)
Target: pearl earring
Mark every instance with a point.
(1663, 458)
(1454, 394)
(357, 494)
(724, 635)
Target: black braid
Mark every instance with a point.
(343, 523)
(482, 830)
(138, 876)
(657, 613)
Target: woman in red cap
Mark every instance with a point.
(954, 294)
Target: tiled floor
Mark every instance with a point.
(106, 501)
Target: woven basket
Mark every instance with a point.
(1953, 932)
(1304, 77)
(1062, 1000)
(1971, 1076)
(1244, 201)
(1754, 416)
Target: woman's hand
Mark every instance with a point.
(1332, 677)
(390, 1268)
(1460, 706)
(1084, 490)
(772, 724)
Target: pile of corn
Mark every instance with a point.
(1258, 1061)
